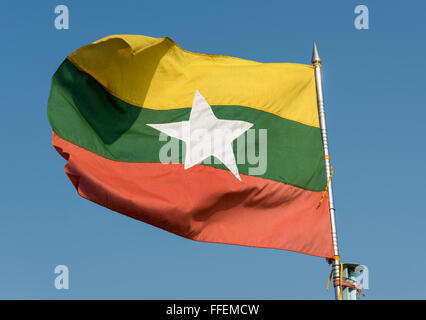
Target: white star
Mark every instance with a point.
(205, 135)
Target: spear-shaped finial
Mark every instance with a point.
(315, 55)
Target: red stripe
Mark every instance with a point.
(204, 203)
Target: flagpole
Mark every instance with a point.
(316, 62)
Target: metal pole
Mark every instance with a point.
(316, 61)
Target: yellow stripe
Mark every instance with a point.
(156, 73)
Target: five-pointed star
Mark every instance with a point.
(205, 135)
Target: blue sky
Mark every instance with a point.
(374, 82)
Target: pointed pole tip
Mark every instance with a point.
(315, 54)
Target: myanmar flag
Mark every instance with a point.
(212, 148)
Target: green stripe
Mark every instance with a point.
(82, 112)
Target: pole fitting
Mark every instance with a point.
(316, 59)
